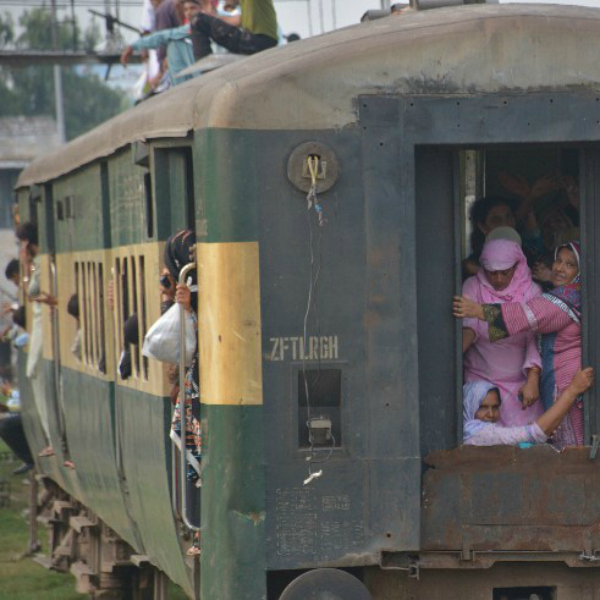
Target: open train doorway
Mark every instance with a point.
(536, 196)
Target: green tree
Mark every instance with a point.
(29, 91)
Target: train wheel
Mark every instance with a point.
(326, 584)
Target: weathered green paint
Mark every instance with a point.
(89, 409)
(227, 197)
(171, 189)
(83, 222)
(233, 504)
(128, 206)
(145, 447)
(227, 185)
(52, 467)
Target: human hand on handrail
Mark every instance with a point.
(183, 296)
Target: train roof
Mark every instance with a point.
(313, 84)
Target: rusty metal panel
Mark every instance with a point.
(511, 499)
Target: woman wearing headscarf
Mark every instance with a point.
(513, 364)
(481, 408)
(556, 315)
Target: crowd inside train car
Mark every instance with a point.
(521, 317)
(177, 33)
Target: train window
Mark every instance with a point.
(89, 286)
(130, 274)
(143, 316)
(319, 397)
(525, 593)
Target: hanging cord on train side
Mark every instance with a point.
(312, 199)
(315, 273)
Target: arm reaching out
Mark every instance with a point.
(552, 418)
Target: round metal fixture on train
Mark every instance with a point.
(298, 171)
(326, 584)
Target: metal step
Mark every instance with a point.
(79, 523)
(44, 561)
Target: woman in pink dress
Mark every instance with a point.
(513, 365)
(556, 315)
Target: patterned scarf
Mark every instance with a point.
(568, 297)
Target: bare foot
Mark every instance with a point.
(69, 464)
(46, 452)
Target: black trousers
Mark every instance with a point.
(11, 431)
(238, 41)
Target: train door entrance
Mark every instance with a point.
(55, 390)
(438, 135)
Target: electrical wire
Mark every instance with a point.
(312, 201)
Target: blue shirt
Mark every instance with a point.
(180, 53)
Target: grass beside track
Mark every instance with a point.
(21, 578)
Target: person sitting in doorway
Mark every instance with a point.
(481, 409)
(254, 30)
(514, 364)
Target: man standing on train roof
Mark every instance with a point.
(252, 31)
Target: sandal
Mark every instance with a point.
(46, 452)
(193, 551)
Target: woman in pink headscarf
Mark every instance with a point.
(514, 364)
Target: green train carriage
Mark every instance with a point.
(325, 332)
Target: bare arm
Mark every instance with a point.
(552, 418)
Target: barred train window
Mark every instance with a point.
(89, 286)
(130, 300)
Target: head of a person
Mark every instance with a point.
(500, 259)
(481, 406)
(487, 214)
(192, 7)
(179, 251)
(27, 234)
(12, 271)
(489, 408)
(73, 306)
(565, 268)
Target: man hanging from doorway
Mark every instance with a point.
(252, 31)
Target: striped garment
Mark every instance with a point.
(560, 349)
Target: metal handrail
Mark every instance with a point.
(183, 463)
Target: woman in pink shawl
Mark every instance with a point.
(513, 364)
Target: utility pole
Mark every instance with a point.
(386, 4)
(333, 15)
(58, 91)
